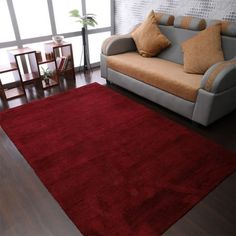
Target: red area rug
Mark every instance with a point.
(115, 167)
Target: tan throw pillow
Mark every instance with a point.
(148, 38)
(203, 50)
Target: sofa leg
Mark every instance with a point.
(108, 82)
(196, 125)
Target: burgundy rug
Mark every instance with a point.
(115, 167)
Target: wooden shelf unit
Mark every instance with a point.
(29, 71)
(8, 68)
(53, 53)
(62, 51)
(26, 67)
(18, 90)
(52, 82)
(30, 77)
(45, 61)
(14, 93)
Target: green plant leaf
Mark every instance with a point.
(74, 13)
(85, 20)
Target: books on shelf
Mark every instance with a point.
(60, 62)
(63, 63)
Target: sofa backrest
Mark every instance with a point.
(178, 35)
(229, 47)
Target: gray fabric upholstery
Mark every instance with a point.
(176, 36)
(226, 78)
(103, 65)
(210, 22)
(210, 107)
(229, 47)
(165, 19)
(231, 30)
(177, 22)
(119, 44)
(172, 102)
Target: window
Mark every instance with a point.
(37, 20)
(77, 49)
(36, 46)
(64, 23)
(7, 33)
(33, 18)
(95, 43)
(4, 55)
(6, 78)
(101, 10)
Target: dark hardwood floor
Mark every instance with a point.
(26, 208)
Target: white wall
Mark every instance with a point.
(130, 12)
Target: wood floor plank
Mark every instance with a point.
(214, 215)
(26, 207)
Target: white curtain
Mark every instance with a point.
(130, 12)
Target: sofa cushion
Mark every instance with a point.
(159, 73)
(227, 28)
(203, 50)
(189, 22)
(148, 38)
(164, 19)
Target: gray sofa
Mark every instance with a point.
(208, 105)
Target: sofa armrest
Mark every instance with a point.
(117, 44)
(220, 77)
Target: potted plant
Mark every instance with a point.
(46, 75)
(85, 20)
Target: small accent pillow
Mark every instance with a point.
(203, 50)
(164, 19)
(189, 22)
(148, 38)
(227, 28)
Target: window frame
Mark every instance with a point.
(19, 42)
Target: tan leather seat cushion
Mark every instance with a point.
(163, 74)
